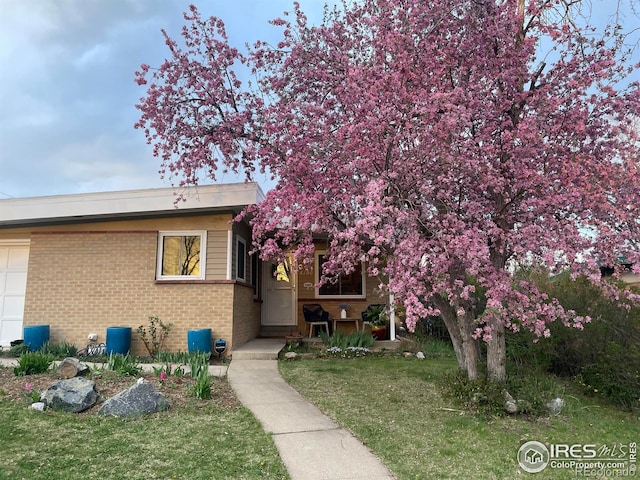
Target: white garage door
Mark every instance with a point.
(14, 262)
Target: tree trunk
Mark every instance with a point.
(460, 330)
(470, 347)
(497, 354)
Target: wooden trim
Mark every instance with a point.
(97, 232)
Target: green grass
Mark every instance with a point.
(397, 408)
(208, 442)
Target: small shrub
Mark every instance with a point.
(32, 363)
(479, 396)
(533, 389)
(616, 376)
(603, 359)
(124, 365)
(154, 335)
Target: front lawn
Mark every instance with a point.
(396, 406)
(195, 439)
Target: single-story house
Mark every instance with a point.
(85, 262)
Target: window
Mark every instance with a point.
(181, 255)
(241, 259)
(351, 285)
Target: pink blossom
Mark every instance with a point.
(441, 149)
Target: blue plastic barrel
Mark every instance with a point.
(199, 340)
(118, 340)
(35, 336)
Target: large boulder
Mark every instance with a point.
(140, 399)
(71, 395)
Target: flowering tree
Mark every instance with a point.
(441, 142)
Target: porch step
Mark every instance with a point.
(259, 349)
(277, 332)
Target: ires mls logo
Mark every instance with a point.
(533, 457)
(588, 460)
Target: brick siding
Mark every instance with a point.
(83, 282)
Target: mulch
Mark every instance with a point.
(177, 390)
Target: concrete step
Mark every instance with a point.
(276, 332)
(259, 349)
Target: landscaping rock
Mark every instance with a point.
(556, 405)
(72, 367)
(140, 399)
(71, 395)
(291, 355)
(407, 354)
(420, 356)
(38, 406)
(510, 405)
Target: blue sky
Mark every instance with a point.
(67, 90)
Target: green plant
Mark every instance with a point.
(434, 348)
(198, 362)
(173, 357)
(377, 315)
(342, 341)
(123, 364)
(360, 339)
(347, 352)
(202, 387)
(615, 376)
(479, 396)
(154, 335)
(18, 350)
(603, 358)
(32, 395)
(168, 369)
(59, 350)
(31, 363)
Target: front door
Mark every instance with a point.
(14, 263)
(279, 306)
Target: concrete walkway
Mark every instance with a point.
(311, 445)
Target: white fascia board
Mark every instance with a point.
(16, 211)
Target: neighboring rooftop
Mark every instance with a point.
(50, 210)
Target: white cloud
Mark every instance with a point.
(96, 55)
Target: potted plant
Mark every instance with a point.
(293, 337)
(376, 316)
(343, 309)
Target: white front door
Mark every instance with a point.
(279, 281)
(14, 263)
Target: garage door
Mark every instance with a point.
(14, 262)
